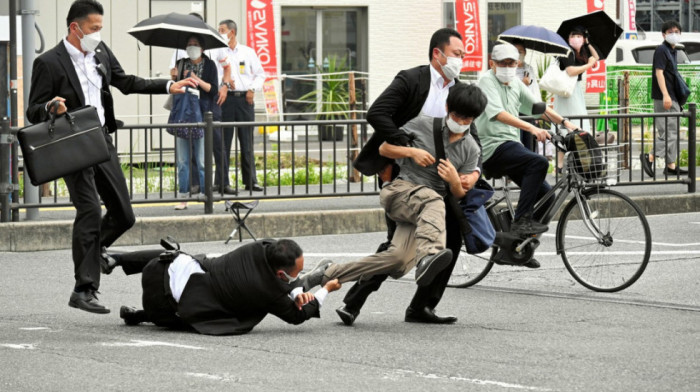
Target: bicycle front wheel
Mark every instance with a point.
(469, 269)
(605, 241)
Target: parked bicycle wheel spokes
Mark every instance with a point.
(606, 243)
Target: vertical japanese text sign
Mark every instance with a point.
(261, 37)
(467, 12)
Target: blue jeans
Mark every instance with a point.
(183, 161)
(525, 168)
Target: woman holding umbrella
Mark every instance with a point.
(583, 57)
(203, 70)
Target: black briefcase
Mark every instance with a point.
(63, 145)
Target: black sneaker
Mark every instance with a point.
(647, 165)
(525, 225)
(431, 265)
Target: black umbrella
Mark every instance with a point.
(173, 29)
(602, 31)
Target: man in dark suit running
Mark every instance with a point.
(225, 295)
(78, 72)
(419, 90)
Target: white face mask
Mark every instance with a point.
(290, 279)
(505, 74)
(89, 42)
(194, 52)
(673, 38)
(452, 68)
(225, 37)
(455, 127)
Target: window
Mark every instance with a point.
(502, 16)
(314, 40)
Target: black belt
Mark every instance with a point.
(238, 93)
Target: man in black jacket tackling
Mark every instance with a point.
(225, 295)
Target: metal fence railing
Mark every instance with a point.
(302, 159)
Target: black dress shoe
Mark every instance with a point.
(532, 263)
(230, 191)
(132, 316)
(431, 265)
(87, 301)
(428, 316)
(675, 172)
(107, 262)
(347, 315)
(647, 165)
(254, 188)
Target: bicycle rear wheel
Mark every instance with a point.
(470, 269)
(616, 260)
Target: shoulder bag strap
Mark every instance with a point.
(450, 201)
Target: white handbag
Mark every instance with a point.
(558, 82)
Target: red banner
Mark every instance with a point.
(261, 33)
(467, 12)
(261, 37)
(632, 18)
(596, 76)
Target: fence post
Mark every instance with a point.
(692, 143)
(208, 162)
(5, 184)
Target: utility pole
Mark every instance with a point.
(28, 10)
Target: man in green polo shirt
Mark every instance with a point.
(499, 132)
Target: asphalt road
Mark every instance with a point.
(519, 329)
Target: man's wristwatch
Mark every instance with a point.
(563, 120)
(228, 85)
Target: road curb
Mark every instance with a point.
(50, 235)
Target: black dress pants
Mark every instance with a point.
(158, 304)
(235, 108)
(91, 230)
(425, 296)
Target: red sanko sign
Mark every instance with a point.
(595, 77)
(261, 33)
(467, 12)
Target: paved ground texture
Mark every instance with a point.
(518, 330)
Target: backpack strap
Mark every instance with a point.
(450, 201)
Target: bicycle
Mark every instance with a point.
(598, 233)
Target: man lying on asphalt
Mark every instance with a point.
(225, 295)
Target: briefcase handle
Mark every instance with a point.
(53, 107)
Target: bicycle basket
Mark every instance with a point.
(598, 164)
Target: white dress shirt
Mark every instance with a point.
(437, 96)
(184, 266)
(247, 72)
(90, 80)
(180, 271)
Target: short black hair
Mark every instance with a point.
(282, 254)
(231, 25)
(80, 9)
(466, 100)
(441, 38)
(669, 24)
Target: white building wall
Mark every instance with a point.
(398, 31)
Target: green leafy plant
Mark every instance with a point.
(333, 95)
(541, 69)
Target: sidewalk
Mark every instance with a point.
(274, 218)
